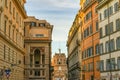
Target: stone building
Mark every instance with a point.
(74, 52)
(12, 14)
(60, 66)
(38, 37)
(109, 25)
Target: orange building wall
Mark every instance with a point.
(90, 41)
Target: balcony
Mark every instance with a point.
(101, 3)
(87, 4)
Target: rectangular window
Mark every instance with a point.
(87, 31)
(101, 48)
(32, 24)
(107, 47)
(110, 10)
(101, 65)
(106, 13)
(106, 29)
(88, 16)
(116, 6)
(97, 49)
(113, 64)
(10, 7)
(91, 30)
(111, 27)
(42, 24)
(112, 45)
(118, 43)
(98, 65)
(5, 26)
(100, 16)
(117, 24)
(37, 72)
(108, 65)
(97, 26)
(118, 63)
(9, 30)
(101, 33)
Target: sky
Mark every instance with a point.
(60, 13)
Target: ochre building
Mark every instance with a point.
(12, 14)
(38, 37)
(60, 67)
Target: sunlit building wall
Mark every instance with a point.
(109, 28)
(60, 66)
(12, 14)
(38, 38)
(90, 40)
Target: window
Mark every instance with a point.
(87, 31)
(118, 24)
(100, 16)
(14, 12)
(113, 63)
(106, 13)
(101, 48)
(33, 24)
(9, 30)
(109, 28)
(39, 35)
(118, 62)
(5, 26)
(89, 51)
(116, 6)
(97, 49)
(107, 47)
(110, 10)
(10, 8)
(96, 25)
(101, 33)
(87, 2)
(101, 65)
(91, 29)
(118, 43)
(108, 64)
(98, 65)
(88, 16)
(112, 46)
(42, 24)
(37, 73)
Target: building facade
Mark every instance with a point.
(38, 37)
(60, 66)
(90, 40)
(74, 52)
(109, 25)
(12, 14)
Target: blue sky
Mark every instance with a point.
(60, 13)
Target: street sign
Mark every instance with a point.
(7, 72)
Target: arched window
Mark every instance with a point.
(37, 56)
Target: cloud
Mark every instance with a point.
(60, 13)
